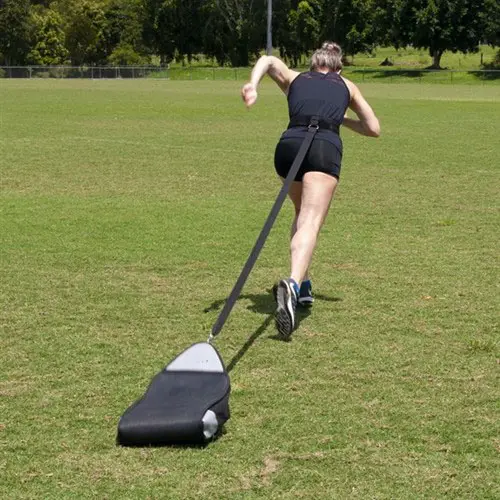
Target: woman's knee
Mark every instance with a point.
(310, 227)
(312, 216)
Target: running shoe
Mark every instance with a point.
(306, 298)
(286, 297)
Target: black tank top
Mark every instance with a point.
(320, 94)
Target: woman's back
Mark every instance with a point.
(319, 94)
(322, 94)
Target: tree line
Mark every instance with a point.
(233, 32)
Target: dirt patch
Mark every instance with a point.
(271, 465)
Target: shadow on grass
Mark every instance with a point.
(255, 335)
(264, 303)
(488, 75)
(411, 73)
(444, 73)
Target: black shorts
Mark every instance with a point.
(323, 156)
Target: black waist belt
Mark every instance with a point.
(305, 121)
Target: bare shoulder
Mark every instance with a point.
(281, 73)
(353, 88)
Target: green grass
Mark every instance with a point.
(127, 211)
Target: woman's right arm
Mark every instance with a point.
(367, 123)
(276, 69)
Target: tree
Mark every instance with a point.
(349, 23)
(491, 20)
(436, 25)
(85, 33)
(447, 25)
(387, 25)
(158, 28)
(48, 38)
(125, 55)
(235, 30)
(15, 31)
(122, 31)
(303, 30)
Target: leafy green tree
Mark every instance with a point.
(48, 38)
(349, 23)
(125, 55)
(85, 33)
(389, 24)
(235, 30)
(491, 20)
(44, 3)
(447, 25)
(122, 32)
(303, 30)
(158, 28)
(15, 31)
(215, 38)
(189, 24)
(436, 25)
(174, 27)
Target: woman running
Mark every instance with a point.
(323, 93)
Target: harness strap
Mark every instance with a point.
(304, 121)
(313, 127)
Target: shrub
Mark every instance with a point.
(125, 55)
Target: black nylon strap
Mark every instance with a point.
(254, 254)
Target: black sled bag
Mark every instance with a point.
(187, 403)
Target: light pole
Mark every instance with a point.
(269, 45)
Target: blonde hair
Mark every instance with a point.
(328, 56)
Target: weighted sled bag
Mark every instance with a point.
(186, 403)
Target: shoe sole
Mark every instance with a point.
(284, 312)
(302, 301)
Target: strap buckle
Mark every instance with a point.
(314, 123)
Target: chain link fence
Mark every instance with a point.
(357, 74)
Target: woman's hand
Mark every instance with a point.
(249, 94)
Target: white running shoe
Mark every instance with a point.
(286, 298)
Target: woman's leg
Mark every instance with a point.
(295, 195)
(311, 209)
(311, 198)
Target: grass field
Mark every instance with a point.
(127, 211)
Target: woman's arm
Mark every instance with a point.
(367, 123)
(276, 69)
